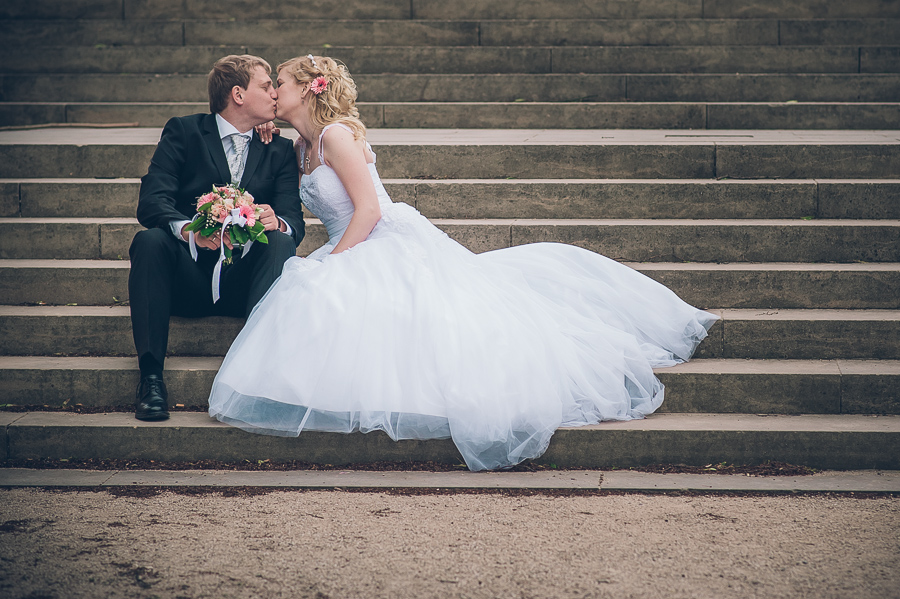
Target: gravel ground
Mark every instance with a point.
(319, 544)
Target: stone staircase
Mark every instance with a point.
(747, 155)
(636, 64)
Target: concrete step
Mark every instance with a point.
(174, 9)
(508, 115)
(527, 198)
(699, 386)
(741, 333)
(420, 32)
(704, 241)
(738, 285)
(345, 32)
(815, 31)
(658, 240)
(464, 10)
(780, 285)
(470, 59)
(860, 481)
(839, 442)
(733, 87)
(652, 9)
(494, 154)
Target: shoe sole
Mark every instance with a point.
(152, 418)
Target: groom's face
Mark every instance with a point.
(260, 97)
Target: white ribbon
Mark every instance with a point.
(191, 241)
(234, 218)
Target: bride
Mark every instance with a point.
(393, 326)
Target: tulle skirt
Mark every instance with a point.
(412, 334)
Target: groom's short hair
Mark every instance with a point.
(230, 71)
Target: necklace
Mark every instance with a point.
(306, 159)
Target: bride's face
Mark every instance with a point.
(290, 97)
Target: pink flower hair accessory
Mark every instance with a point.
(318, 85)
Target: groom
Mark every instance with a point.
(194, 153)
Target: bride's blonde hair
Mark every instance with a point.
(337, 102)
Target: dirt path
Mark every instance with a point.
(339, 544)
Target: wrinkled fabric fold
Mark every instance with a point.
(412, 334)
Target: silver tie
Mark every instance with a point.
(235, 163)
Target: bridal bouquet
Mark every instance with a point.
(231, 210)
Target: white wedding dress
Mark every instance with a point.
(412, 334)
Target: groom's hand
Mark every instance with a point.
(211, 243)
(268, 218)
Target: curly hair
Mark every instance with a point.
(337, 102)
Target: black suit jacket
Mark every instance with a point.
(189, 160)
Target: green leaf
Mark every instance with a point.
(239, 235)
(258, 232)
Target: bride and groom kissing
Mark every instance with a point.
(409, 332)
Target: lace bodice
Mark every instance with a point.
(324, 195)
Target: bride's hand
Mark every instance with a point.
(266, 131)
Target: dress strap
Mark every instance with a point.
(322, 135)
(342, 125)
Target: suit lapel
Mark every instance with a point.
(216, 151)
(253, 156)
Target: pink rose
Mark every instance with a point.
(218, 212)
(245, 199)
(206, 199)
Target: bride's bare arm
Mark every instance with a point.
(347, 157)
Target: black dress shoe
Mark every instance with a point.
(152, 399)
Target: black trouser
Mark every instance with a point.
(165, 281)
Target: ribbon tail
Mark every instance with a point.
(217, 271)
(217, 275)
(191, 241)
(246, 247)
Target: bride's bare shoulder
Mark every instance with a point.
(338, 139)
